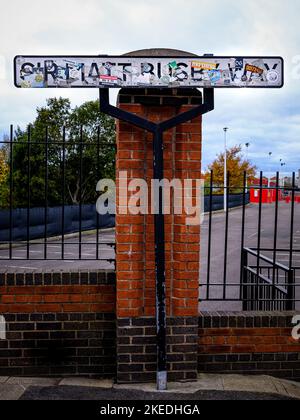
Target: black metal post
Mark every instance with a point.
(243, 290)
(28, 190)
(244, 281)
(209, 234)
(258, 289)
(291, 275)
(274, 277)
(46, 192)
(290, 303)
(11, 186)
(63, 175)
(157, 130)
(159, 222)
(227, 186)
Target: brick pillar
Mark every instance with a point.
(135, 242)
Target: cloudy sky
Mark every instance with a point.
(268, 119)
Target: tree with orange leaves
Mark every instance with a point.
(237, 166)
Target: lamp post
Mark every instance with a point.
(225, 167)
(247, 158)
(247, 149)
(269, 180)
(282, 164)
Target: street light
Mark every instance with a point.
(269, 180)
(282, 164)
(247, 146)
(247, 158)
(225, 129)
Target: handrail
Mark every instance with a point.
(266, 259)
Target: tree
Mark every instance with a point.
(72, 136)
(4, 168)
(30, 159)
(4, 174)
(98, 159)
(236, 166)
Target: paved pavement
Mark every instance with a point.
(54, 261)
(208, 387)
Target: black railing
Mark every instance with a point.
(272, 288)
(48, 195)
(250, 256)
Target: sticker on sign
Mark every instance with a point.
(143, 72)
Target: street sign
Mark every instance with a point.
(148, 72)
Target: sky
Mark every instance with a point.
(267, 119)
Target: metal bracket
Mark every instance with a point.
(126, 116)
(158, 166)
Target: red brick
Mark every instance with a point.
(129, 312)
(28, 299)
(130, 294)
(21, 290)
(48, 308)
(59, 298)
(135, 234)
(132, 275)
(265, 348)
(177, 311)
(7, 299)
(185, 293)
(218, 340)
(28, 308)
(103, 307)
(76, 308)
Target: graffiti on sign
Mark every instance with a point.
(118, 72)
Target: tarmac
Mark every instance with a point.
(208, 387)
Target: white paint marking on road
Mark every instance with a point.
(23, 268)
(14, 258)
(100, 249)
(31, 252)
(255, 234)
(65, 253)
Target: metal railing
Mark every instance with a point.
(271, 288)
(251, 255)
(55, 172)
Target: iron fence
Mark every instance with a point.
(251, 255)
(46, 175)
(269, 287)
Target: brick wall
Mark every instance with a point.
(249, 343)
(58, 324)
(137, 352)
(135, 233)
(75, 340)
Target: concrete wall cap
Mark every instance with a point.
(160, 52)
